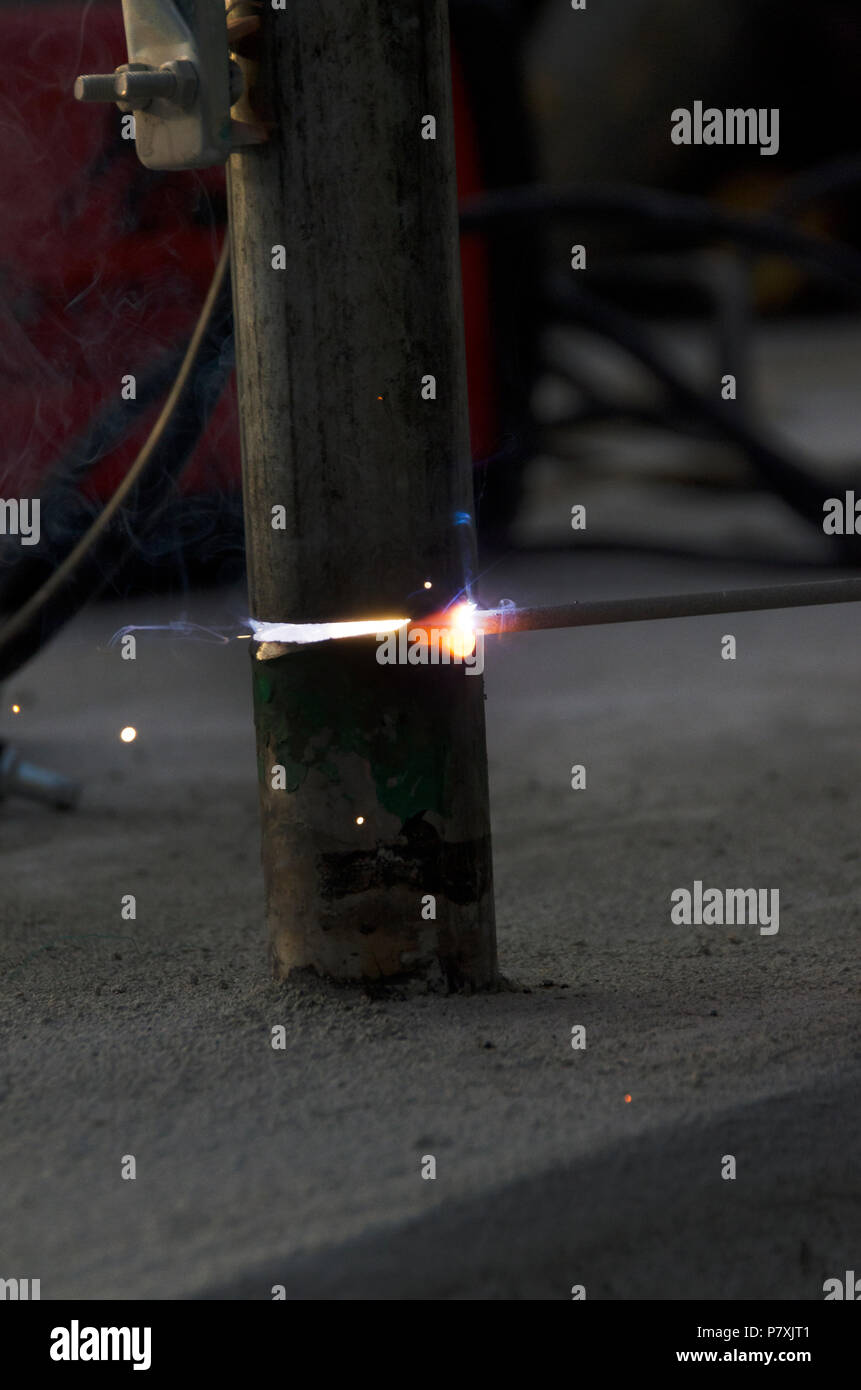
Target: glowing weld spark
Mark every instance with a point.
(323, 632)
(461, 631)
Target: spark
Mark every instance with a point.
(16, 709)
(360, 820)
(461, 632)
(128, 734)
(324, 632)
(628, 1099)
(428, 584)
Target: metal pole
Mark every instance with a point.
(373, 778)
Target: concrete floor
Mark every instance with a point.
(302, 1167)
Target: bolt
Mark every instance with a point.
(134, 85)
(95, 87)
(138, 89)
(102, 86)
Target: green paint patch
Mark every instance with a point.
(316, 709)
(262, 683)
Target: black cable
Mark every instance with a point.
(672, 550)
(53, 595)
(805, 493)
(66, 512)
(696, 217)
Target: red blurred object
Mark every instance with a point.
(105, 264)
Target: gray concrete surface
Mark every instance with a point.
(302, 1166)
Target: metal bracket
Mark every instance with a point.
(179, 81)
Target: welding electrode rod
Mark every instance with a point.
(637, 610)
(356, 468)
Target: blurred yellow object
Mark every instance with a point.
(776, 280)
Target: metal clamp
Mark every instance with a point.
(179, 80)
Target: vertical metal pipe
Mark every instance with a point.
(376, 851)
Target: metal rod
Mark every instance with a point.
(637, 610)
